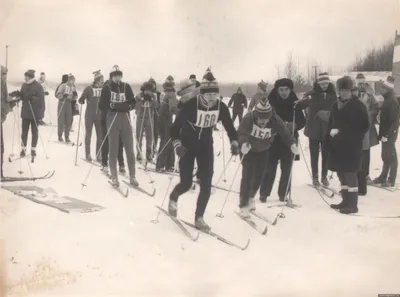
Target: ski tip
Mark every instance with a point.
(196, 237)
(246, 245)
(265, 230)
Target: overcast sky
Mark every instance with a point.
(243, 40)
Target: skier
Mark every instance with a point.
(318, 102)
(261, 95)
(42, 81)
(66, 93)
(348, 124)
(282, 99)
(192, 77)
(187, 91)
(239, 102)
(104, 148)
(191, 135)
(32, 97)
(117, 97)
(92, 95)
(155, 116)
(388, 131)
(168, 108)
(256, 134)
(146, 103)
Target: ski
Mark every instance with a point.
(220, 238)
(390, 189)
(214, 187)
(119, 190)
(17, 178)
(151, 194)
(260, 216)
(323, 190)
(68, 143)
(92, 162)
(252, 224)
(10, 159)
(285, 204)
(160, 172)
(180, 225)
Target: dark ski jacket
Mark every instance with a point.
(239, 101)
(319, 105)
(91, 95)
(389, 117)
(32, 97)
(117, 97)
(345, 149)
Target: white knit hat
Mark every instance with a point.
(97, 75)
(263, 109)
(209, 84)
(323, 78)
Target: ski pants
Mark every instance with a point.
(389, 158)
(363, 173)
(2, 149)
(238, 114)
(64, 111)
(26, 123)
(253, 169)
(93, 119)
(166, 153)
(315, 146)
(348, 181)
(145, 125)
(205, 162)
(104, 148)
(155, 129)
(278, 151)
(120, 128)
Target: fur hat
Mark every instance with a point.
(263, 109)
(97, 75)
(388, 82)
(262, 85)
(187, 86)
(360, 78)
(323, 78)
(345, 83)
(115, 71)
(30, 73)
(284, 82)
(209, 84)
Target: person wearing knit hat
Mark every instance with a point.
(32, 97)
(261, 95)
(388, 132)
(42, 81)
(347, 126)
(282, 99)
(192, 138)
(318, 103)
(91, 94)
(66, 94)
(187, 87)
(239, 102)
(168, 109)
(146, 104)
(257, 132)
(116, 101)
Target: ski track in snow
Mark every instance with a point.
(314, 251)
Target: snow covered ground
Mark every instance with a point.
(117, 251)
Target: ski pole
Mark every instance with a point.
(224, 170)
(77, 139)
(223, 156)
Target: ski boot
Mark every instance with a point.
(33, 152)
(369, 180)
(263, 199)
(282, 198)
(114, 182)
(170, 169)
(315, 182)
(67, 140)
(122, 170)
(378, 181)
(88, 158)
(252, 204)
(104, 169)
(244, 212)
(133, 182)
(160, 170)
(343, 203)
(23, 153)
(388, 184)
(173, 208)
(201, 225)
(324, 181)
(60, 139)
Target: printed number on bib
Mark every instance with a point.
(207, 119)
(261, 133)
(117, 97)
(97, 92)
(68, 90)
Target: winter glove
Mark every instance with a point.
(334, 132)
(294, 149)
(74, 93)
(384, 139)
(180, 150)
(15, 94)
(246, 147)
(81, 100)
(46, 93)
(235, 148)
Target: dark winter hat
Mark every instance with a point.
(262, 85)
(388, 82)
(360, 78)
(30, 73)
(345, 83)
(115, 71)
(284, 82)
(147, 86)
(192, 76)
(323, 78)
(64, 78)
(187, 86)
(97, 75)
(209, 84)
(239, 89)
(263, 109)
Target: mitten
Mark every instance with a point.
(81, 100)
(179, 148)
(46, 93)
(235, 148)
(246, 147)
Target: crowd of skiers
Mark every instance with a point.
(339, 122)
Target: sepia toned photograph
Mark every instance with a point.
(215, 148)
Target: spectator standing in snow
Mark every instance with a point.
(239, 102)
(42, 81)
(192, 77)
(261, 95)
(156, 115)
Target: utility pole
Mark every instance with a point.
(315, 71)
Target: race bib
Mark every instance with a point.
(68, 90)
(96, 92)
(207, 119)
(261, 133)
(117, 97)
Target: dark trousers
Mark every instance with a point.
(2, 149)
(279, 151)
(205, 167)
(26, 123)
(315, 147)
(105, 148)
(367, 160)
(253, 169)
(166, 153)
(155, 130)
(238, 114)
(349, 183)
(389, 158)
(362, 174)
